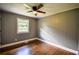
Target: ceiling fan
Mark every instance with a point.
(35, 8)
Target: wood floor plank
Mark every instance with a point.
(34, 47)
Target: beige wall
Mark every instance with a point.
(60, 28)
(9, 28)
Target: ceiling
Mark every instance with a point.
(49, 8)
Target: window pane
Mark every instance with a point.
(22, 25)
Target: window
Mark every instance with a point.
(22, 25)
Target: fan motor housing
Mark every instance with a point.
(34, 8)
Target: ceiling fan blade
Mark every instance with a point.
(39, 6)
(27, 6)
(41, 12)
(29, 11)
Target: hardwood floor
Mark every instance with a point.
(34, 47)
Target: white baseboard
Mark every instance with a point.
(14, 43)
(65, 48)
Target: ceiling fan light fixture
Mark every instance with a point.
(34, 12)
